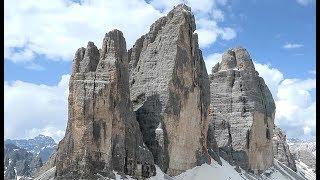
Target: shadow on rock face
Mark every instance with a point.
(235, 158)
(153, 130)
(213, 148)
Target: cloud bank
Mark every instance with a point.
(292, 46)
(57, 28)
(32, 109)
(305, 2)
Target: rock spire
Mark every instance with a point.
(169, 88)
(243, 110)
(102, 133)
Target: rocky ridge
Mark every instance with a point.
(18, 162)
(304, 151)
(305, 156)
(281, 149)
(40, 145)
(23, 157)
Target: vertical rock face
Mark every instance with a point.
(243, 109)
(102, 133)
(169, 89)
(281, 149)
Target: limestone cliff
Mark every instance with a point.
(169, 88)
(242, 112)
(102, 134)
(281, 149)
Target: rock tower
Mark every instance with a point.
(242, 112)
(169, 89)
(102, 134)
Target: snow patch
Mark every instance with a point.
(118, 177)
(206, 171)
(305, 171)
(228, 172)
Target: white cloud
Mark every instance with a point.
(211, 60)
(208, 31)
(20, 56)
(54, 132)
(35, 67)
(306, 130)
(271, 76)
(228, 33)
(206, 37)
(57, 28)
(295, 105)
(305, 2)
(218, 15)
(312, 72)
(30, 109)
(296, 108)
(292, 46)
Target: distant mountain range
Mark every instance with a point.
(41, 145)
(304, 151)
(24, 156)
(297, 144)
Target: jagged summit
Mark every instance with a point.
(86, 59)
(181, 7)
(90, 59)
(115, 45)
(237, 58)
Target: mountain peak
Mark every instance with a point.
(44, 137)
(182, 7)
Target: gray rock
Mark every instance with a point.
(305, 156)
(242, 112)
(47, 175)
(304, 151)
(42, 145)
(281, 149)
(169, 88)
(45, 167)
(19, 162)
(102, 134)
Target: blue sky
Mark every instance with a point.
(41, 39)
(265, 26)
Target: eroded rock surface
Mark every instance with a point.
(169, 89)
(242, 112)
(281, 149)
(102, 134)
